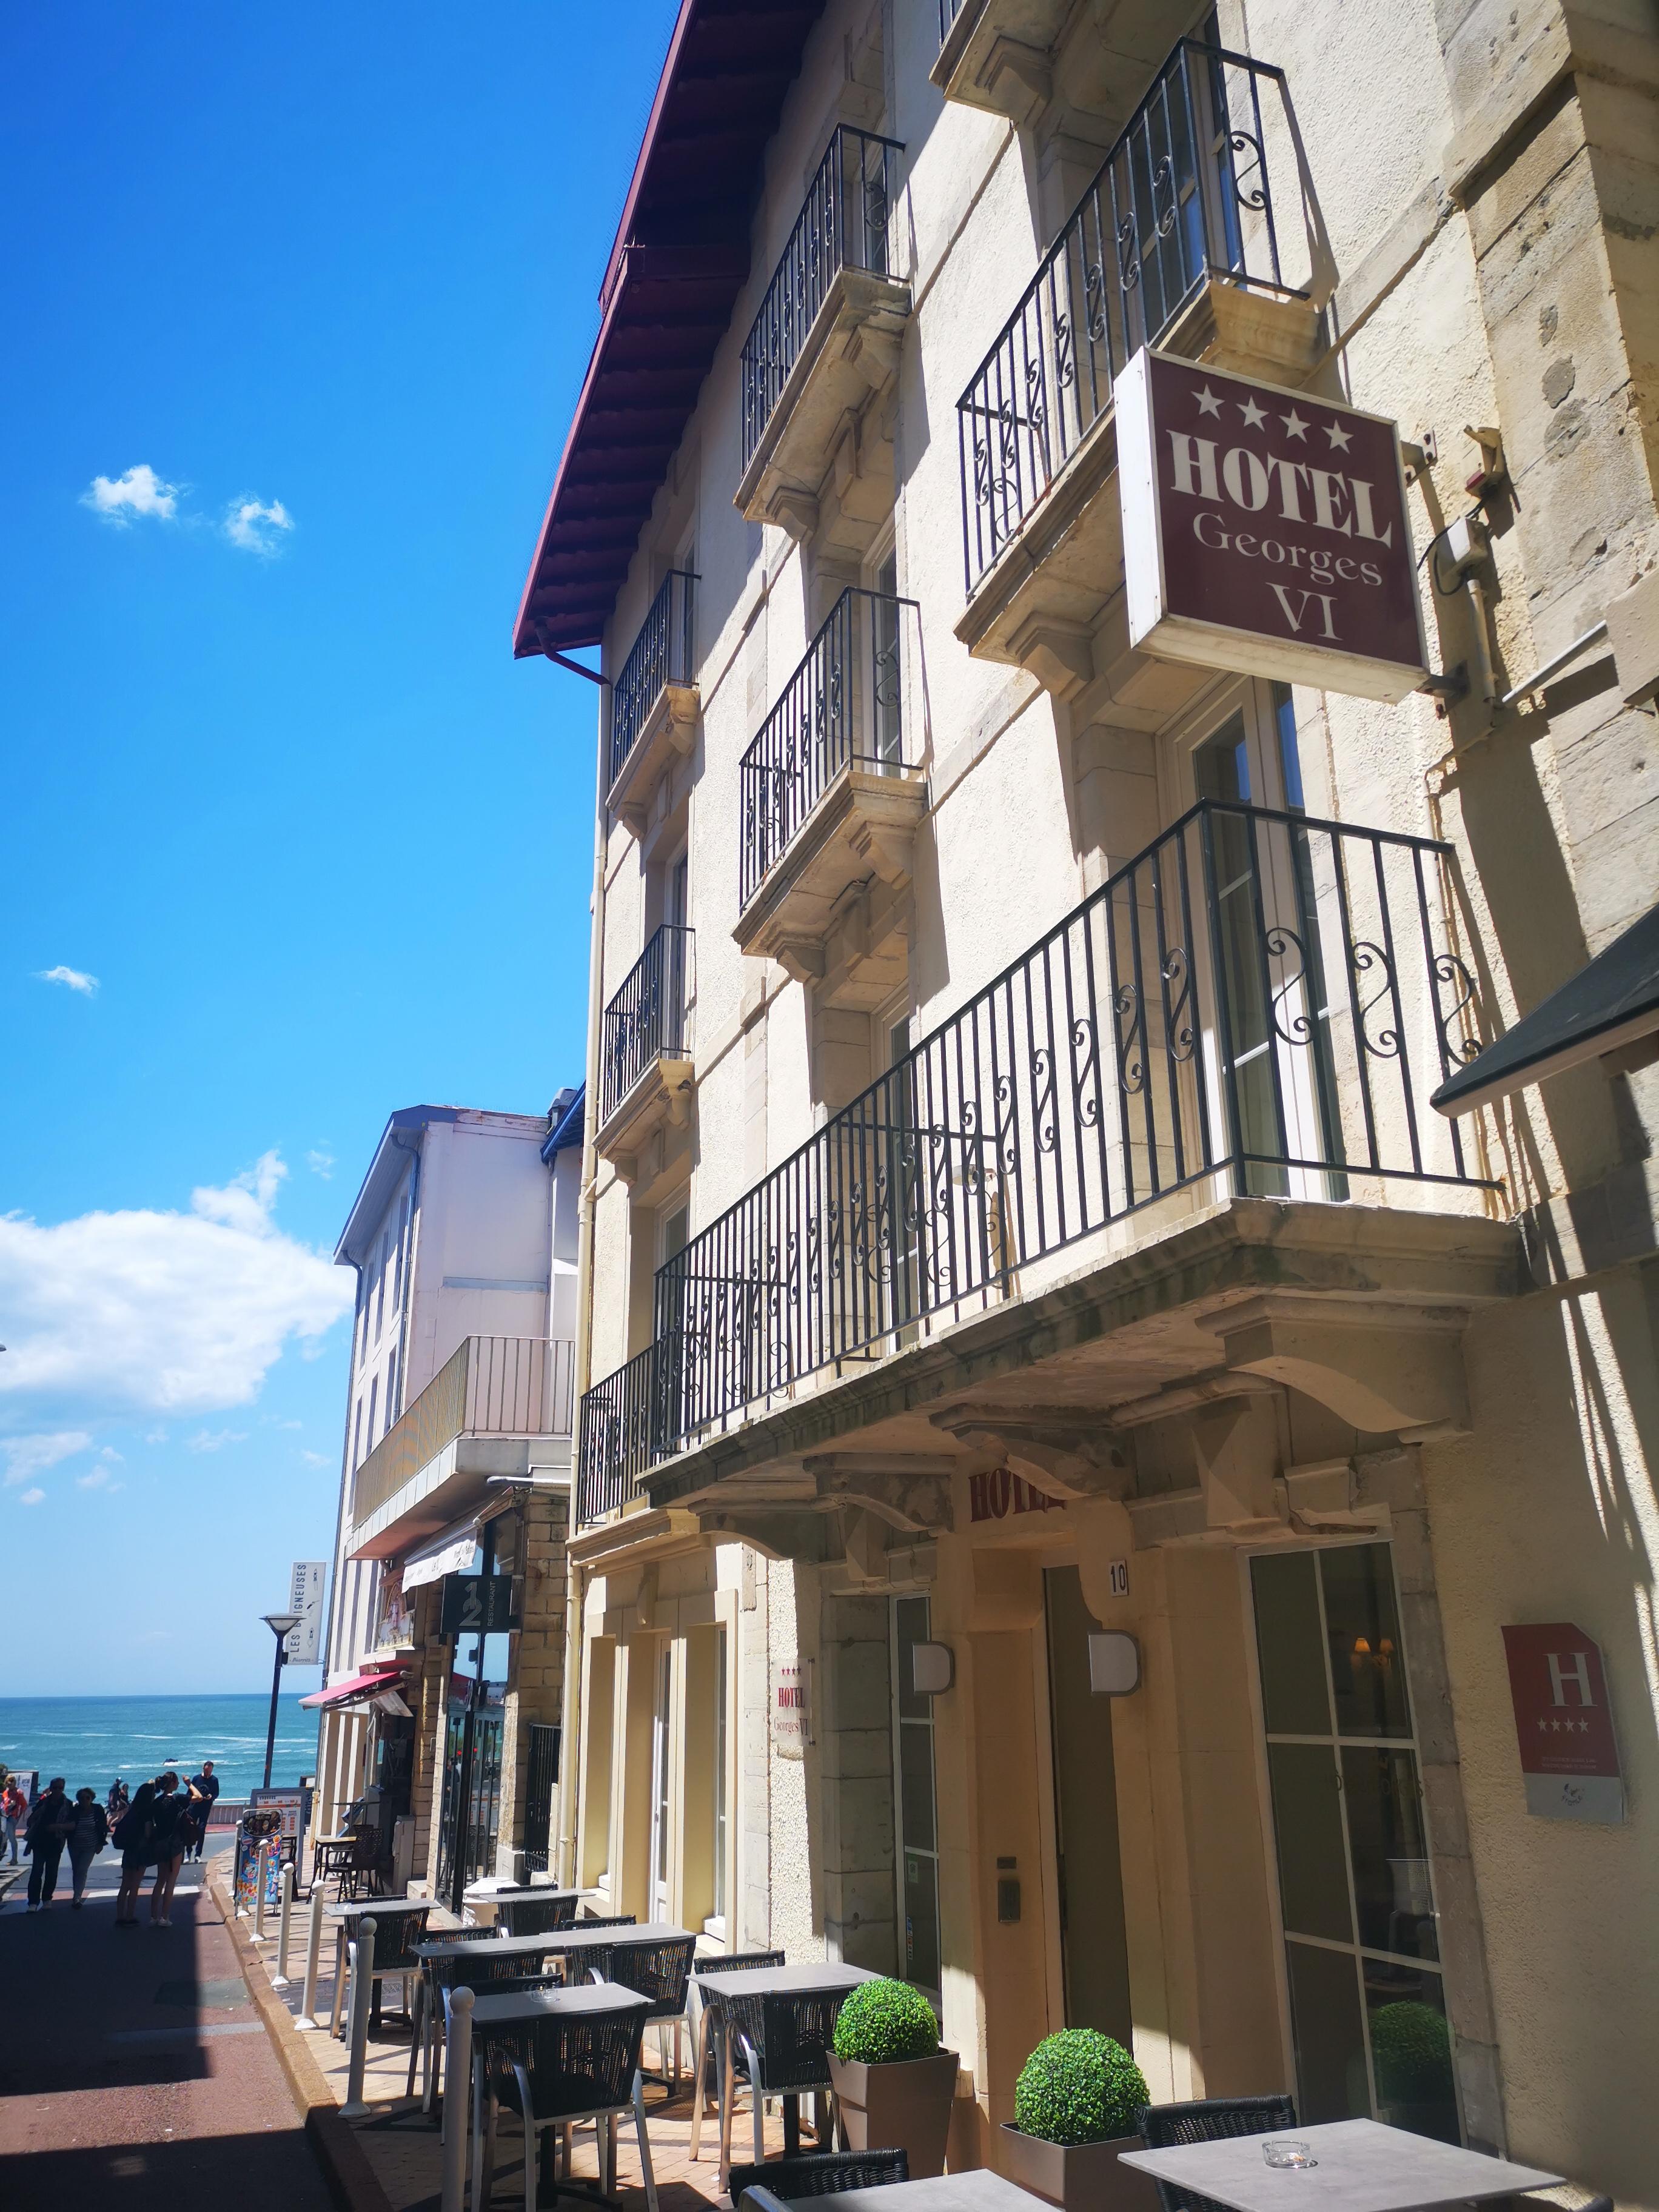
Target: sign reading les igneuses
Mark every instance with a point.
(1265, 531)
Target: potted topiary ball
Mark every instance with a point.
(894, 2085)
(1074, 2111)
(1411, 2051)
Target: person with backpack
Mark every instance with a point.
(173, 1831)
(134, 1838)
(48, 1830)
(88, 1833)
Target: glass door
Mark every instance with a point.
(1361, 1936)
(915, 1824)
(659, 1782)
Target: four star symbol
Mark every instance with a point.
(1255, 416)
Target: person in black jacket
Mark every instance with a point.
(173, 1830)
(47, 1831)
(88, 1834)
(134, 1840)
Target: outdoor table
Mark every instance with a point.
(494, 1947)
(497, 2019)
(1362, 2166)
(482, 1898)
(977, 2191)
(833, 1975)
(331, 1855)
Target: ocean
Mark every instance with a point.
(92, 1739)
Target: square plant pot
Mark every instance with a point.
(904, 2106)
(1080, 2177)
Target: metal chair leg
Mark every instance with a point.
(645, 2147)
(416, 2009)
(339, 1978)
(698, 2088)
(723, 2044)
(532, 2139)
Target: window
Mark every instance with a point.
(357, 1438)
(1361, 1949)
(398, 1283)
(374, 1395)
(676, 1232)
(379, 1287)
(661, 1773)
(915, 1838)
(392, 1387)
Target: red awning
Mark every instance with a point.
(355, 1687)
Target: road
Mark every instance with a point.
(133, 2070)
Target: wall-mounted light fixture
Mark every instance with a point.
(932, 1669)
(1113, 1664)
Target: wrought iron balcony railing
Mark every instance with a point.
(844, 223)
(1259, 998)
(1183, 195)
(843, 707)
(621, 1435)
(647, 1019)
(491, 1386)
(659, 655)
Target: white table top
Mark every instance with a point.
(513, 2008)
(582, 1936)
(492, 1947)
(1362, 2166)
(776, 1981)
(382, 1907)
(977, 2191)
(514, 1892)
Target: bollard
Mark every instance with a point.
(458, 2069)
(285, 1887)
(313, 1943)
(259, 1935)
(363, 1995)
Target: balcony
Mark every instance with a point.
(825, 340)
(654, 704)
(646, 1050)
(1176, 243)
(999, 54)
(499, 1402)
(1257, 1006)
(831, 792)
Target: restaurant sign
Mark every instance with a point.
(1265, 531)
(1569, 1756)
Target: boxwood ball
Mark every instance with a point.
(884, 2023)
(1078, 2087)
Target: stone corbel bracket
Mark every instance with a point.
(910, 1491)
(1384, 1368)
(1073, 1453)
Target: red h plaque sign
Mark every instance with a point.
(1265, 531)
(1563, 1723)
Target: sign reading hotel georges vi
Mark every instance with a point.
(1569, 1756)
(1265, 531)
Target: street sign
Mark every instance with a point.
(477, 1605)
(1563, 1723)
(302, 1646)
(1265, 531)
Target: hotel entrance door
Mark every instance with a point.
(1092, 1944)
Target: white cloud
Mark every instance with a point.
(99, 1479)
(315, 1459)
(28, 1455)
(31, 1498)
(205, 1440)
(155, 1436)
(321, 1163)
(136, 491)
(257, 526)
(72, 979)
(151, 1312)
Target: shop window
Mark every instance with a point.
(1362, 1951)
(915, 1822)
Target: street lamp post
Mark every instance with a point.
(281, 1625)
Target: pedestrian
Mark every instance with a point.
(88, 1832)
(203, 1786)
(116, 1804)
(173, 1831)
(134, 1838)
(14, 1814)
(48, 1829)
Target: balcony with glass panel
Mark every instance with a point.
(1200, 235)
(831, 791)
(645, 1071)
(825, 342)
(1186, 1133)
(654, 703)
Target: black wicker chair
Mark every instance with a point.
(707, 2061)
(436, 1978)
(1167, 2127)
(534, 1916)
(662, 1973)
(566, 2067)
(784, 2040)
(820, 2173)
(398, 1928)
(607, 1920)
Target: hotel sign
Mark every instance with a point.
(1265, 531)
(1569, 1756)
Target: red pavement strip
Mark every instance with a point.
(134, 2069)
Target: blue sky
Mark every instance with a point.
(312, 291)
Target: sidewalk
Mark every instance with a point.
(134, 2070)
(401, 2146)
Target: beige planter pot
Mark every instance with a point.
(905, 2106)
(1076, 2176)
